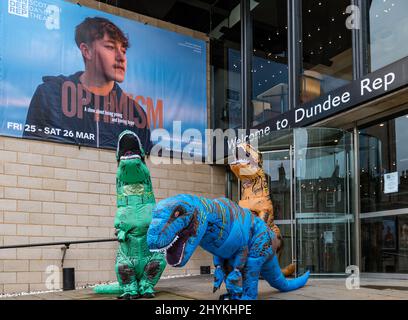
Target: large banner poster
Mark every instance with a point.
(77, 75)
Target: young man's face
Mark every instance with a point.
(107, 59)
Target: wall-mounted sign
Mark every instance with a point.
(73, 74)
(391, 182)
(373, 86)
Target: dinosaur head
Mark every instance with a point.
(131, 158)
(176, 229)
(248, 161)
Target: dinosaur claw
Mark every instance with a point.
(215, 289)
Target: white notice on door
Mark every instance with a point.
(391, 182)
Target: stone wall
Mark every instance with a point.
(55, 192)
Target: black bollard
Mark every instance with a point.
(68, 279)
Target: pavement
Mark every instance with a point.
(200, 288)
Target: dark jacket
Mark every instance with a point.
(48, 119)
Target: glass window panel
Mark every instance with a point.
(323, 212)
(285, 257)
(225, 63)
(383, 151)
(327, 48)
(388, 32)
(277, 170)
(385, 244)
(269, 60)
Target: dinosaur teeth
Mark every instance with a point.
(133, 156)
(239, 161)
(164, 249)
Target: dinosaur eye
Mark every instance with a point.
(178, 211)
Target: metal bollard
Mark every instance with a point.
(68, 279)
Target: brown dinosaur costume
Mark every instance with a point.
(255, 191)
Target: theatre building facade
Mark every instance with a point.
(322, 84)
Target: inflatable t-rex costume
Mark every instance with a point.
(242, 244)
(255, 191)
(137, 269)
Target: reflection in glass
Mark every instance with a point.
(269, 60)
(322, 195)
(226, 68)
(384, 153)
(319, 192)
(276, 165)
(385, 244)
(327, 48)
(285, 257)
(388, 32)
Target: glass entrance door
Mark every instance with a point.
(278, 167)
(311, 182)
(323, 216)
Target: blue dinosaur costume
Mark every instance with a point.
(137, 269)
(242, 244)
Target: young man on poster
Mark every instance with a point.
(89, 107)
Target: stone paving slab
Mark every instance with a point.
(200, 288)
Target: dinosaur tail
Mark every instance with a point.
(271, 272)
(108, 289)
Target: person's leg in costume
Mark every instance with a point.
(126, 276)
(151, 274)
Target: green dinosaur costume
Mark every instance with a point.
(137, 269)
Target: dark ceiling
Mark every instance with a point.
(323, 24)
(199, 15)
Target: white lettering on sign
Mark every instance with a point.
(18, 8)
(368, 86)
(319, 108)
(299, 114)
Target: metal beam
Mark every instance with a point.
(294, 51)
(233, 18)
(246, 64)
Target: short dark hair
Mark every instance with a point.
(92, 29)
